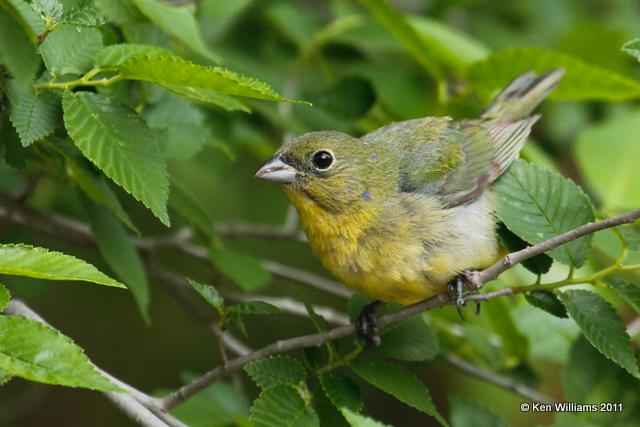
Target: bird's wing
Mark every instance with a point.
(464, 159)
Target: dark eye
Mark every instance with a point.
(322, 160)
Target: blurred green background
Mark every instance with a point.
(358, 77)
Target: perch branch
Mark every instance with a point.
(477, 279)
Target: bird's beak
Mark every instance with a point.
(277, 171)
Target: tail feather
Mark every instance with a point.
(522, 95)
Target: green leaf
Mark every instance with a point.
(357, 420)
(117, 54)
(175, 72)
(411, 340)
(70, 49)
(631, 234)
(33, 114)
(5, 296)
(37, 352)
(602, 326)
(254, 308)
(537, 204)
(180, 127)
(188, 206)
(177, 21)
(220, 405)
(546, 301)
(582, 81)
(210, 295)
(84, 13)
(398, 382)
(452, 47)
(116, 248)
(39, 263)
(242, 269)
(628, 291)
(342, 391)
(282, 406)
(92, 184)
(49, 10)
(27, 17)
(118, 142)
(17, 52)
(632, 47)
(227, 102)
(605, 152)
(539, 264)
(399, 26)
(513, 341)
(467, 414)
(277, 370)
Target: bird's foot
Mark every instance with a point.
(456, 288)
(367, 324)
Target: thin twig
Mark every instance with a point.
(498, 380)
(478, 279)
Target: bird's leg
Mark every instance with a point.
(455, 288)
(367, 324)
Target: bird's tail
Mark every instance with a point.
(522, 95)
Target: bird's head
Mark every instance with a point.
(331, 169)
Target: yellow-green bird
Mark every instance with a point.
(398, 213)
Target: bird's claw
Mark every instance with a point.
(367, 324)
(455, 289)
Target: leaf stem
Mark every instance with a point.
(344, 360)
(85, 80)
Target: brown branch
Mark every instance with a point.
(478, 279)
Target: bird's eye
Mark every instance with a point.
(322, 160)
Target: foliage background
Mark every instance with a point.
(358, 76)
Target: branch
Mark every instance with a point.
(139, 406)
(478, 279)
(498, 380)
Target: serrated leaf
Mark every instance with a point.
(49, 10)
(227, 102)
(398, 382)
(602, 326)
(254, 308)
(357, 420)
(582, 81)
(37, 352)
(605, 152)
(628, 291)
(631, 234)
(92, 184)
(282, 406)
(172, 71)
(411, 340)
(244, 270)
(84, 13)
(538, 204)
(70, 49)
(342, 391)
(40, 263)
(276, 370)
(117, 249)
(546, 301)
(117, 54)
(539, 264)
(33, 114)
(514, 342)
(4, 377)
(17, 52)
(632, 47)
(467, 414)
(5, 296)
(210, 295)
(177, 21)
(119, 143)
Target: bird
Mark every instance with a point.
(402, 213)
